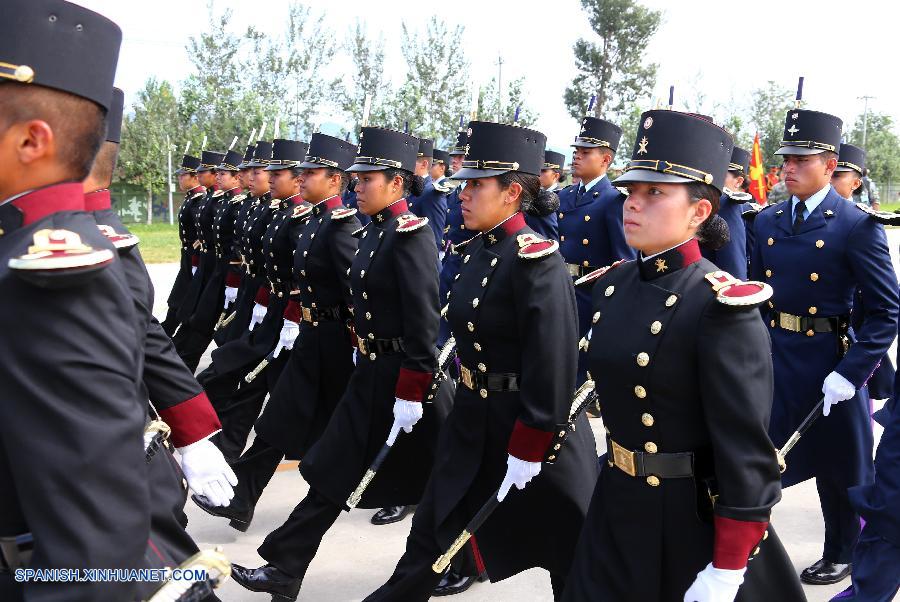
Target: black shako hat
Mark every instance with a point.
(328, 151)
(114, 116)
(59, 45)
(554, 160)
(851, 158)
(598, 133)
(426, 148)
(231, 161)
(209, 160)
(381, 149)
(678, 148)
(248, 157)
(497, 148)
(810, 133)
(287, 154)
(441, 157)
(462, 141)
(262, 154)
(740, 160)
(189, 164)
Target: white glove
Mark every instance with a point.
(715, 585)
(518, 473)
(259, 312)
(193, 270)
(406, 415)
(207, 472)
(836, 388)
(230, 295)
(288, 335)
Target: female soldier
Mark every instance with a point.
(512, 310)
(690, 477)
(395, 308)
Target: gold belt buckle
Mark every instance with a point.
(789, 322)
(307, 313)
(362, 345)
(623, 458)
(465, 375)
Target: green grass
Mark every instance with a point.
(889, 207)
(159, 242)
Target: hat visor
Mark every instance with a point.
(311, 165)
(845, 168)
(366, 167)
(244, 165)
(581, 144)
(648, 175)
(182, 170)
(205, 169)
(798, 150)
(224, 167)
(277, 167)
(456, 153)
(254, 164)
(468, 173)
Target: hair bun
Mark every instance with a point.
(713, 234)
(547, 202)
(417, 187)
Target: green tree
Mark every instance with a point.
(882, 146)
(613, 68)
(367, 78)
(514, 98)
(629, 119)
(769, 105)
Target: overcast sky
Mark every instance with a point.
(844, 49)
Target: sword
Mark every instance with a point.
(208, 569)
(584, 396)
(260, 367)
(159, 433)
(444, 357)
(801, 430)
(227, 320)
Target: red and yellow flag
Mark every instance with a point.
(757, 173)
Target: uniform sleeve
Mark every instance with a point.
(546, 226)
(71, 428)
(733, 256)
(755, 259)
(233, 252)
(615, 230)
(415, 258)
(736, 388)
(342, 246)
(870, 261)
(548, 330)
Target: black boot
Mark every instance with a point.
(267, 579)
(390, 514)
(236, 511)
(454, 583)
(825, 572)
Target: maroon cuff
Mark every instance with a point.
(292, 312)
(195, 260)
(735, 539)
(233, 279)
(262, 296)
(191, 420)
(412, 384)
(528, 443)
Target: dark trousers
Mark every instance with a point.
(171, 322)
(876, 569)
(254, 470)
(237, 413)
(842, 524)
(191, 345)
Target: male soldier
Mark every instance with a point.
(816, 250)
(440, 163)
(590, 215)
(432, 203)
(454, 231)
(732, 257)
(72, 470)
(552, 173)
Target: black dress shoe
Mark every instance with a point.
(454, 583)
(240, 517)
(267, 579)
(390, 514)
(824, 572)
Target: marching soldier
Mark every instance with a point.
(189, 184)
(552, 172)
(244, 168)
(690, 475)
(454, 231)
(321, 362)
(71, 455)
(590, 215)
(395, 368)
(732, 256)
(432, 203)
(816, 250)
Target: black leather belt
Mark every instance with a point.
(371, 347)
(807, 324)
(482, 381)
(642, 464)
(314, 315)
(15, 552)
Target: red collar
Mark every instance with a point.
(234, 191)
(391, 211)
(196, 189)
(97, 200)
(327, 205)
(42, 202)
(670, 261)
(507, 227)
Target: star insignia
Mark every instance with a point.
(795, 115)
(642, 146)
(793, 129)
(380, 218)
(661, 265)
(492, 239)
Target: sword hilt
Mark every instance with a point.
(581, 395)
(252, 376)
(356, 496)
(227, 320)
(219, 321)
(441, 564)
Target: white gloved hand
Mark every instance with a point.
(715, 585)
(406, 415)
(836, 388)
(518, 473)
(207, 472)
(230, 295)
(259, 312)
(288, 335)
(193, 270)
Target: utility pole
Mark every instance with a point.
(169, 184)
(865, 99)
(499, 89)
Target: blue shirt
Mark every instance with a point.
(811, 203)
(592, 183)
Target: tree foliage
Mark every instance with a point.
(882, 145)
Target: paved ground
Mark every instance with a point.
(356, 557)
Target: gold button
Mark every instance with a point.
(771, 241)
(470, 326)
(772, 323)
(562, 433)
(595, 318)
(640, 392)
(484, 281)
(551, 458)
(813, 310)
(643, 359)
(771, 305)
(362, 273)
(477, 347)
(653, 481)
(650, 446)
(587, 218)
(475, 302)
(810, 333)
(756, 551)
(482, 367)
(371, 253)
(768, 273)
(647, 419)
(365, 295)
(585, 242)
(483, 393)
(368, 315)
(466, 258)
(372, 356)
(493, 262)
(765, 534)
(820, 244)
(610, 290)
(560, 215)
(813, 276)
(656, 327)
(557, 447)
(672, 300)
(371, 336)
(562, 238)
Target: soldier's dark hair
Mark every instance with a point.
(827, 155)
(345, 177)
(105, 163)
(78, 124)
(713, 232)
(413, 185)
(534, 200)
